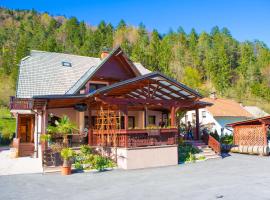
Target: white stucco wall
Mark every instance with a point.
(145, 157)
(75, 116)
(218, 123)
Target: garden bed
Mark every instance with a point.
(188, 153)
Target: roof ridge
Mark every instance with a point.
(53, 52)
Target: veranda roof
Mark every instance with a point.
(154, 88)
(154, 85)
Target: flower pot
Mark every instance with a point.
(66, 168)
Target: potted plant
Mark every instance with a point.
(64, 127)
(67, 154)
(45, 139)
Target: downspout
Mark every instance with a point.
(16, 132)
(36, 145)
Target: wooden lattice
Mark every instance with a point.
(249, 135)
(107, 125)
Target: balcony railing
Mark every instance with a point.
(20, 104)
(135, 137)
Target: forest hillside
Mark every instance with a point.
(207, 61)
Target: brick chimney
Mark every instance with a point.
(104, 53)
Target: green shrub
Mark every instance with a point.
(45, 137)
(67, 153)
(186, 152)
(191, 157)
(227, 139)
(78, 166)
(85, 149)
(7, 126)
(85, 159)
(100, 162)
(200, 158)
(215, 135)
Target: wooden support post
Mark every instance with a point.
(173, 115)
(44, 119)
(90, 132)
(145, 116)
(197, 128)
(125, 112)
(124, 109)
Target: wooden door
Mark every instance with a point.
(25, 129)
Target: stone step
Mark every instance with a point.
(206, 149)
(212, 157)
(201, 147)
(208, 154)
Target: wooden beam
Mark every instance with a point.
(156, 95)
(124, 101)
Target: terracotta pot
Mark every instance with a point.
(66, 168)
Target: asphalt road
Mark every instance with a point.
(235, 177)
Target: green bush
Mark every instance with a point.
(85, 159)
(7, 126)
(227, 139)
(186, 152)
(85, 149)
(191, 157)
(45, 137)
(100, 163)
(215, 135)
(67, 153)
(78, 166)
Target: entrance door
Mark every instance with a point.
(26, 127)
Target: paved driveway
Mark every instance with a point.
(236, 177)
(22, 165)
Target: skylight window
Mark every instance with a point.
(66, 64)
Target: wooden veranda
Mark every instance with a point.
(147, 93)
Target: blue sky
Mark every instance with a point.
(247, 20)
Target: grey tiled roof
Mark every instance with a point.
(42, 73)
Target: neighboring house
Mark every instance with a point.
(222, 112)
(256, 111)
(107, 97)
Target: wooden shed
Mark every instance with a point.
(251, 136)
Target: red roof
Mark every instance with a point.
(226, 108)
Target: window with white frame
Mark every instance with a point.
(203, 114)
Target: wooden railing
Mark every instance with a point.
(212, 143)
(136, 138)
(20, 104)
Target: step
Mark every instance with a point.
(201, 147)
(213, 157)
(206, 149)
(209, 154)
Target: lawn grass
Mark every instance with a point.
(7, 124)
